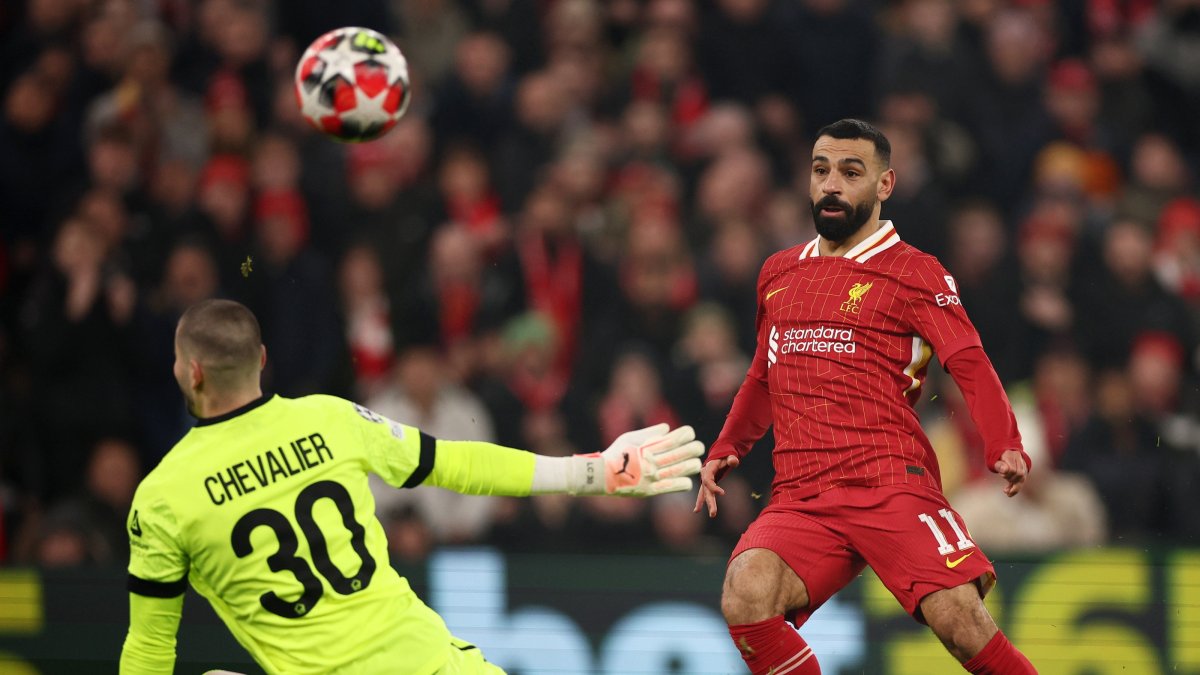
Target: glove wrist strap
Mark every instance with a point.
(574, 475)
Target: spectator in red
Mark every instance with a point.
(658, 285)
(664, 74)
(1177, 251)
(291, 288)
(367, 313)
(468, 198)
(1127, 299)
(1159, 174)
(392, 199)
(635, 396)
(554, 269)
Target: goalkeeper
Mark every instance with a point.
(264, 509)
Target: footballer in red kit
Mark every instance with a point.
(847, 325)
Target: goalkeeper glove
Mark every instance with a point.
(644, 463)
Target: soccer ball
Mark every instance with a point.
(352, 84)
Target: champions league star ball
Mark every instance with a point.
(352, 84)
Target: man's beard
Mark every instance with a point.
(841, 227)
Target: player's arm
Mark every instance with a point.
(150, 644)
(938, 315)
(641, 463)
(157, 581)
(992, 414)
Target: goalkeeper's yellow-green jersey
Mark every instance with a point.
(266, 511)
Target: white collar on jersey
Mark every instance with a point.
(880, 240)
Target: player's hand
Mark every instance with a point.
(709, 490)
(1011, 465)
(652, 461)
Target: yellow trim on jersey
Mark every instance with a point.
(921, 353)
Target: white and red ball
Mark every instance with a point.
(352, 84)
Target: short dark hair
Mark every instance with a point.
(224, 337)
(851, 128)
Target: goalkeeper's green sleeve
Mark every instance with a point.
(150, 645)
(479, 468)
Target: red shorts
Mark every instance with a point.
(910, 536)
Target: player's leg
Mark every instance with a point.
(765, 587)
(466, 659)
(959, 619)
(922, 551)
(760, 585)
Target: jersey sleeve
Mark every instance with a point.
(400, 454)
(158, 562)
(936, 312)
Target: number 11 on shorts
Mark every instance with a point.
(944, 546)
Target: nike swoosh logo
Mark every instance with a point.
(769, 294)
(954, 563)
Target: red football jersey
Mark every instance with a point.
(843, 345)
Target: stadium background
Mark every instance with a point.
(560, 242)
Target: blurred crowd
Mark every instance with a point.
(561, 240)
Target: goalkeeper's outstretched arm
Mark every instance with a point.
(641, 463)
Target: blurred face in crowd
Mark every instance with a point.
(580, 175)
(29, 106)
(724, 129)
(846, 186)
(77, 248)
(225, 202)
(420, 374)
(1016, 46)
(174, 185)
(635, 381)
(113, 163)
(464, 175)
(548, 213)
(243, 38)
(1158, 164)
(734, 186)
(106, 214)
(149, 59)
(49, 16)
(482, 63)
(976, 241)
(709, 334)
(541, 102)
(276, 164)
(190, 276)
(1128, 248)
(455, 256)
(645, 128)
(664, 52)
(931, 22)
(281, 237)
(656, 260)
(737, 253)
(360, 275)
(113, 472)
(743, 11)
(1155, 374)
